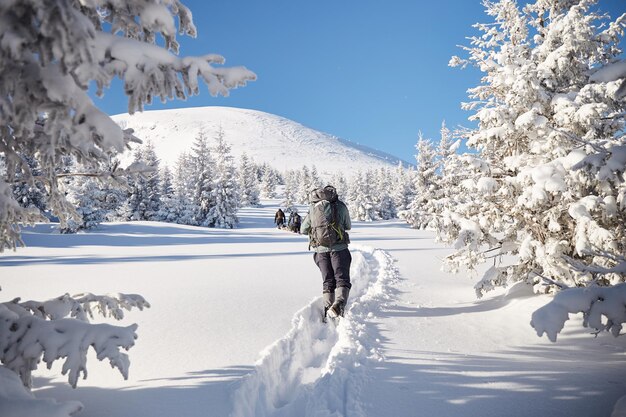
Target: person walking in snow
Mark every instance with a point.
(297, 222)
(326, 224)
(279, 218)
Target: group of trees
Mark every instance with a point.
(50, 53)
(542, 194)
(204, 188)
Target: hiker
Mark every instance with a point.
(279, 219)
(326, 225)
(297, 222)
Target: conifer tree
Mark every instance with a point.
(225, 187)
(402, 188)
(419, 214)
(203, 171)
(291, 187)
(248, 183)
(305, 185)
(539, 115)
(168, 210)
(361, 202)
(269, 181)
(152, 183)
(184, 190)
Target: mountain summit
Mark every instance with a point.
(282, 143)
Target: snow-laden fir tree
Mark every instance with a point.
(269, 182)
(361, 201)
(314, 180)
(184, 208)
(203, 171)
(152, 184)
(291, 188)
(144, 196)
(402, 187)
(248, 183)
(339, 181)
(51, 52)
(539, 115)
(383, 201)
(419, 213)
(168, 210)
(89, 197)
(304, 187)
(226, 199)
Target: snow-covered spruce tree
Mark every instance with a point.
(51, 51)
(203, 171)
(152, 184)
(226, 199)
(402, 188)
(340, 183)
(419, 214)
(538, 115)
(315, 181)
(291, 187)
(304, 186)
(602, 305)
(184, 207)
(361, 202)
(89, 197)
(383, 202)
(168, 209)
(135, 207)
(248, 183)
(269, 181)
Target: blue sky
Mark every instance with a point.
(370, 71)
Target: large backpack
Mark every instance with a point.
(325, 228)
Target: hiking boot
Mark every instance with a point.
(337, 309)
(328, 298)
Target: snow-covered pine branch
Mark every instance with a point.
(32, 331)
(602, 308)
(50, 52)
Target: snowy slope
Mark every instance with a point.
(282, 143)
(234, 328)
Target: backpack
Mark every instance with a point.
(325, 230)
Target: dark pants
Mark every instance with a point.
(335, 268)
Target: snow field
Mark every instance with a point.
(319, 368)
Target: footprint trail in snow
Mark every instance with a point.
(319, 368)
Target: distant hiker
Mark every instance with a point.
(326, 225)
(296, 223)
(279, 218)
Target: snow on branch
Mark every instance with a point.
(610, 73)
(595, 303)
(33, 331)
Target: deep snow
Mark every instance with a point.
(234, 328)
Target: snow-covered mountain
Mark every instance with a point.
(282, 143)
